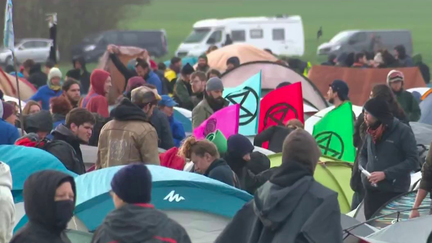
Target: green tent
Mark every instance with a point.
(331, 173)
(334, 133)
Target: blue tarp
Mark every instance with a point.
(24, 161)
(191, 60)
(172, 190)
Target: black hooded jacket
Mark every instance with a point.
(84, 76)
(37, 77)
(39, 193)
(275, 135)
(291, 207)
(160, 122)
(139, 223)
(66, 147)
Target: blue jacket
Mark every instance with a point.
(8, 133)
(153, 78)
(177, 131)
(44, 94)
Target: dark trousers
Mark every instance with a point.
(374, 200)
(357, 198)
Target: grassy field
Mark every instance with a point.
(178, 16)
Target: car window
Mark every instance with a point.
(111, 38)
(28, 44)
(256, 33)
(358, 38)
(217, 36)
(41, 44)
(238, 35)
(130, 38)
(149, 37)
(278, 34)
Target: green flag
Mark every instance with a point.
(334, 133)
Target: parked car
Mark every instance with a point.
(283, 35)
(94, 46)
(36, 49)
(366, 40)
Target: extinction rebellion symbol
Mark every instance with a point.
(331, 144)
(278, 112)
(210, 126)
(246, 115)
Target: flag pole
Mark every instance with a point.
(19, 94)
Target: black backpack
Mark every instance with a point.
(66, 154)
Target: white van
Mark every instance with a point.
(283, 35)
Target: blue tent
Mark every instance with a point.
(24, 161)
(191, 60)
(426, 110)
(186, 122)
(172, 190)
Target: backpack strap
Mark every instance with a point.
(87, 99)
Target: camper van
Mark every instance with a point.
(366, 40)
(283, 35)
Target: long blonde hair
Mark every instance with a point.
(198, 147)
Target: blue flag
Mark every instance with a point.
(9, 37)
(247, 95)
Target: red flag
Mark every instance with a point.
(281, 105)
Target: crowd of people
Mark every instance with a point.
(380, 59)
(59, 118)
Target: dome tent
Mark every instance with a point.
(189, 198)
(331, 173)
(272, 74)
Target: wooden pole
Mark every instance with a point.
(19, 94)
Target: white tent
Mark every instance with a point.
(311, 121)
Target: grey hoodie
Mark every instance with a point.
(7, 208)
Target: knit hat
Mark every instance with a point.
(134, 83)
(8, 110)
(380, 109)
(38, 122)
(97, 80)
(133, 183)
(214, 84)
(301, 147)
(187, 69)
(74, 73)
(239, 145)
(54, 73)
(235, 61)
(395, 76)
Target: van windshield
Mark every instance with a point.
(197, 35)
(342, 36)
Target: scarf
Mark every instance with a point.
(377, 133)
(55, 87)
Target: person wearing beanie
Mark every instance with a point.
(9, 113)
(203, 63)
(96, 100)
(52, 89)
(38, 126)
(9, 133)
(132, 84)
(183, 89)
(134, 218)
(395, 79)
(212, 102)
(338, 93)
(232, 63)
(291, 206)
(238, 155)
(389, 154)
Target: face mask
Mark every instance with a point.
(63, 213)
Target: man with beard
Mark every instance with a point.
(338, 93)
(389, 154)
(172, 72)
(183, 90)
(72, 92)
(203, 63)
(212, 102)
(198, 84)
(395, 79)
(143, 70)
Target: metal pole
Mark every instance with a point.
(19, 94)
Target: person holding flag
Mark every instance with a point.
(389, 154)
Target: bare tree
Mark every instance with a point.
(76, 18)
